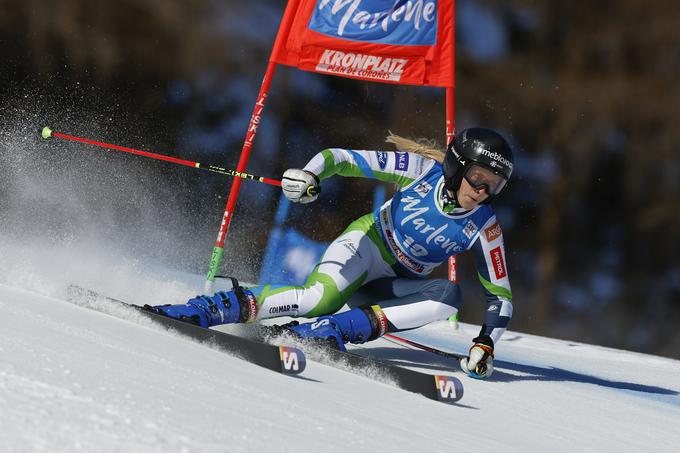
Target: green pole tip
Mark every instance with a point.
(46, 132)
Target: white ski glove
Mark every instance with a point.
(300, 186)
(479, 362)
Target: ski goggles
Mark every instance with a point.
(481, 177)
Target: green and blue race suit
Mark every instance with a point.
(389, 253)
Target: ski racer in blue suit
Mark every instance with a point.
(440, 210)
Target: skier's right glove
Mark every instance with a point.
(479, 362)
(300, 186)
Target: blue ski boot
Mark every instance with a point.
(224, 307)
(355, 326)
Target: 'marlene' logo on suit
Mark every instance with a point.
(434, 234)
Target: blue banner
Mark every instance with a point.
(394, 22)
(290, 257)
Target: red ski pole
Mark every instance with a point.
(423, 347)
(49, 133)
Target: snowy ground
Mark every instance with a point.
(73, 379)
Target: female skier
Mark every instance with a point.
(440, 210)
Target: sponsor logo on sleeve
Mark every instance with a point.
(498, 262)
(401, 161)
(423, 189)
(493, 232)
(470, 229)
(349, 245)
(382, 159)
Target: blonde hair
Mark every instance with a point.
(423, 146)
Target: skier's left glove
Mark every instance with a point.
(300, 186)
(479, 362)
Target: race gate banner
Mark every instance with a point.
(394, 41)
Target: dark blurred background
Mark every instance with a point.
(586, 90)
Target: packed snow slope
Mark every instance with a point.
(73, 379)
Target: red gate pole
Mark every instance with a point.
(218, 250)
(450, 125)
(450, 130)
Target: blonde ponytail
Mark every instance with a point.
(422, 146)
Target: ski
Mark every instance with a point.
(443, 388)
(282, 359)
(254, 347)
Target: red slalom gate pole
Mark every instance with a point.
(218, 250)
(49, 133)
(450, 129)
